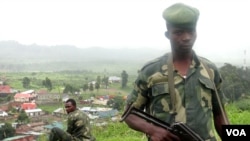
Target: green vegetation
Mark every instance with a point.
(50, 107)
(6, 131)
(55, 82)
(23, 117)
(235, 86)
(116, 131)
(236, 114)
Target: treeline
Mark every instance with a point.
(236, 80)
(72, 83)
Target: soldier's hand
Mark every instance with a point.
(160, 134)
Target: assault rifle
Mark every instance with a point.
(177, 128)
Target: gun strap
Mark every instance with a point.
(171, 81)
(216, 92)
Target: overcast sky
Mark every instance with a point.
(224, 25)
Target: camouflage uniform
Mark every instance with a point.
(78, 129)
(194, 94)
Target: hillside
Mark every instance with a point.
(17, 57)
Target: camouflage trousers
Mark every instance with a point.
(58, 134)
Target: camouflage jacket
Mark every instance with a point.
(195, 95)
(79, 126)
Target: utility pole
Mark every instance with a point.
(244, 61)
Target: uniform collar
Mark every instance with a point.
(195, 61)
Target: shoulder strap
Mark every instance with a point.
(171, 82)
(216, 92)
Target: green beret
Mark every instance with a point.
(181, 15)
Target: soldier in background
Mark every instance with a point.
(78, 125)
(193, 97)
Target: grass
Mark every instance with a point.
(117, 131)
(50, 108)
(237, 116)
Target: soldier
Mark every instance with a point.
(78, 125)
(177, 87)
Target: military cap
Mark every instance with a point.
(181, 15)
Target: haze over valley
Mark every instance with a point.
(17, 57)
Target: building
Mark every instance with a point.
(20, 138)
(51, 97)
(32, 93)
(34, 112)
(5, 90)
(99, 112)
(28, 106)
(60, 112)
(22, 97)
(114, 79)
(52, 125)
(3, 113)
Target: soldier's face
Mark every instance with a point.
(69, 107)
(181, 39)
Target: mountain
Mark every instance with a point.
(17, 57)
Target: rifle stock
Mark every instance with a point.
(177, 128)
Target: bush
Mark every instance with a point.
(243, 104)
(237, 116)
(117, 131)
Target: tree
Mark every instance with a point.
(98, 79)
(85, 87)
(116, 103)
(97, 86)
(91, 87)
(47, 83)
(26, 82)
(235, 81)
(6, 131)
(105, 80)
(86, 78)
(98, 83)
(124, 76)
(70, 89)
(23, 117)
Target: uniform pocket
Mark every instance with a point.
(207, 83)
(159, 89)
(206, 92)
(160, 101)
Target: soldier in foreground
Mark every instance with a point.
(179, 86)
(78, 125)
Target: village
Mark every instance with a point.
(40, 121)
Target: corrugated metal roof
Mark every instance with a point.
(33, 110)
(22, 95)
(15, 137)
(28, 92)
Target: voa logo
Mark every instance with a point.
(236, 132)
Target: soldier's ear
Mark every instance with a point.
(167, 34)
